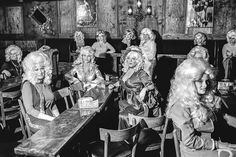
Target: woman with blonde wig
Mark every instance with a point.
(195, 109)
(37, 96)
(137, 88)
(12, 65)
(85, 70)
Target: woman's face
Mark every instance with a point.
(14, 54)
(144, 37)
(132, 59)
(86, 57)
(39, 70)
(101, 38)
(232, 40)
(202, 84)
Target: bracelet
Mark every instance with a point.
(216, 145)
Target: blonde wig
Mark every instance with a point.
(11, 48)
(140, 60)
(231, 35)
(183, 87)
(200, 39)
(28, 66)
(79, 37)
(84, 50)
(149, 32)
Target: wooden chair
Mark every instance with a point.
(114, 142)
(23, 113)
(64, 93)
(151, 136)
(10, 109)
(168, 122)
(76, 90)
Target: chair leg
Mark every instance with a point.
(22, 127)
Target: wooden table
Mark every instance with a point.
(48, 141)
(10, 83)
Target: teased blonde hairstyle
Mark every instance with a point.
(8, 53)
(149, 32)
(79, 37)
(200, 38)
(84, 50)
(231, 34)
(140, 60)
(28, 66)
(183, 84)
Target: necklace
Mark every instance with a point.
(17, 67)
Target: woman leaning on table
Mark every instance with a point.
(37, 95)
(197, 112)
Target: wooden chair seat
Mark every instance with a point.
(116, 149)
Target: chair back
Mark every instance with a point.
(108, 135)
(8, 98)
(76, 88)
(169, 122)
(64, 93)
(23, 113)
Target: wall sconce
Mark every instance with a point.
(140, 14)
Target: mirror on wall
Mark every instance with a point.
(43, 21)
(38, 16)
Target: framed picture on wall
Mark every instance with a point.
(199, 16)
(14, 20)
(86, 13)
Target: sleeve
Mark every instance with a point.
(99, 77)
(70, 76)
(27, 97)
(189, 135)
(146, 80)
(94, 46)
(110, 47)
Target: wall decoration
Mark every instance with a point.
(14, 20)
(43, 21)
(200, 15)
(86, 13)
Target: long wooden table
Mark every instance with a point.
(48, 141)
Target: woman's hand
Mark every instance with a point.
(6, 72)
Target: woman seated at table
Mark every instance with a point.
(37, 95)
(85, 70)
(12, 65)
(137, 88)
(195, 110)
(102, 48)
(199, 51)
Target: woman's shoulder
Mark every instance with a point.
(178, 111)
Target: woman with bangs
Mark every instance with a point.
(37, 96)
(196, 111)
(85, 70)
(12, 65)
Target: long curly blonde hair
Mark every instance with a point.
(11, 48)
(140, 59)
(183, 87)
(28, 66)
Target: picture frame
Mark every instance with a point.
(199, 18)
(86, 13)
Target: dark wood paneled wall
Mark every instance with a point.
(169, 17)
